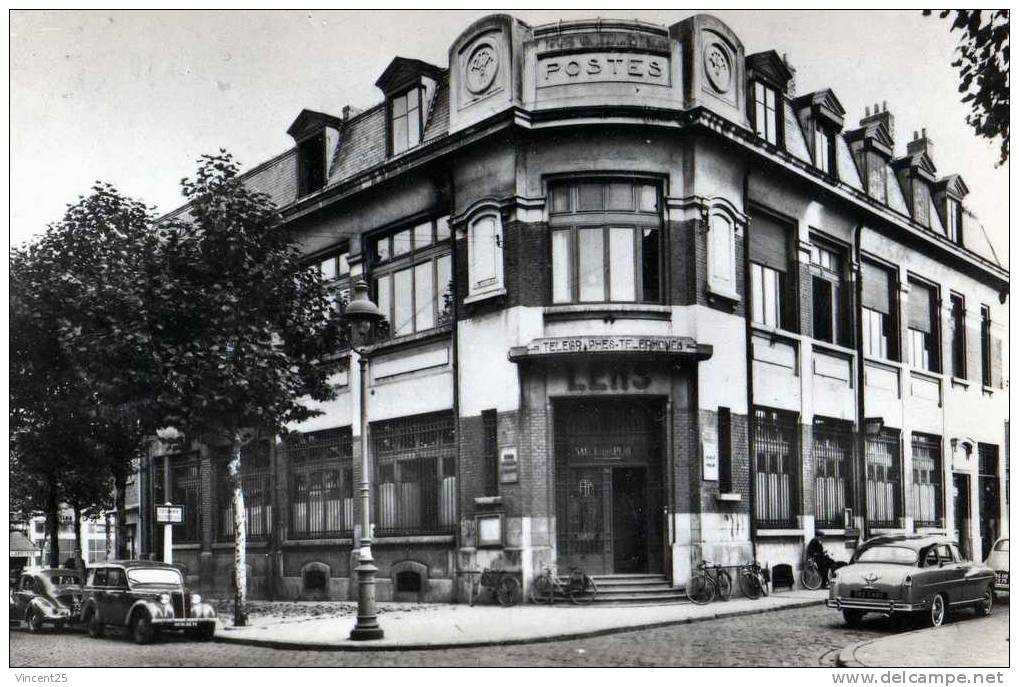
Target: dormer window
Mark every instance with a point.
(311, 164)
(824, 149)
(405, 120)
(953, 223)
(767, 115)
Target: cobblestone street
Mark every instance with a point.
(797, 637)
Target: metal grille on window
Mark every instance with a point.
(415, 474)
(927, 481)
(186, 489)
(776, 460)
(833, 450)
(256, 486)
(321, 473)
(884, 480)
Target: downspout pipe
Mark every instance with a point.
(860, 464)
(748, 334)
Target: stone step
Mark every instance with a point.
(646, 598)
(658, 587)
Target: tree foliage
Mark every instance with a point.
(983, 71)
(248, 331)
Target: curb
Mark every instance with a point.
(310, 646)
(847, 656)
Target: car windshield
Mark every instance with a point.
(1002, 545)
(65, 580)
(153, 576)
(899, 555)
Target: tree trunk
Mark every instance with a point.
(120, 497)
(240, 533)
(53, 524)
(79, 562)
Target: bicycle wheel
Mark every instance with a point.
(542, 590)
(724, 582)
(810, 577)
(583, 592)
(700, 590)
(763, 581)
(750, 584)
(508, 591)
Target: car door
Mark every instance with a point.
(24, 594)
(974, 575)
(116, 596)
(97, 585)
(953, 574)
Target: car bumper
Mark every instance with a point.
(181, 623)
(875, 605)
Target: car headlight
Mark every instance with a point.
(164, 599)
(196, 599)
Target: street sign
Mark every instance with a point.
(169, 514)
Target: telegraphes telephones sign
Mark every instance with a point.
(608, 344)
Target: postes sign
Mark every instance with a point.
(602, 66)
(169, 514)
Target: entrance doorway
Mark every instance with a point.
(960, 488)
(989, 497)
(608, 485)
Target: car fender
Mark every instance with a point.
(43, 605)
(156, 611)
(203, 610)
(89, 606)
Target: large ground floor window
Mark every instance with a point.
(833, 451)
(415, 474)
(776, 469)
(321, 477)
(256, 486)
(185, 489)
(884, 480)
(927, 481)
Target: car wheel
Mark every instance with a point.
(34, 621)
(986, 604)
(852, 617)
(95, 628)
(141, 628)
(938, 610)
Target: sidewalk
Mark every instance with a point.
(457, 625)
(964, 641)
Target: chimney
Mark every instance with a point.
(920, 144)
(349, 111)
(882, 115)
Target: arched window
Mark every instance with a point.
(722, 253)
(484, 251)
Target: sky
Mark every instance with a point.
(134, 98)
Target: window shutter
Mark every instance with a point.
(996, 380)
(920, 308)
(769, 243)
(876, 288)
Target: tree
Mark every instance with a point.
(257, 333)
(983, 71)
(83, 372)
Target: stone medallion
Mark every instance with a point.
(481, 68)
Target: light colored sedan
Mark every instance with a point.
(997, 560)
(910, 574)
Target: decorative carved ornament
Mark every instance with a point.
(481, 68)
(718, 67)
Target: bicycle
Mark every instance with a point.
(810, 576)
(503, 586)
(710, 583)
(578, 587)
(753, 581)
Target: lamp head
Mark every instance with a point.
(361, 312)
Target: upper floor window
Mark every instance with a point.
(606, 241)
(958, 336)
(405, 120)
(770, 286)
(879, 312)
(311, 164)
(923, 330)
(824, 149)
(722, 254)
(484, 253)
(335, 272)
(953, 221)
(413, 276)
(830, 301)
(985, 345)
(767, 113)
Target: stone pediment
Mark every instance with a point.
(769, 67)
(403, 72)
(310, 122)
(953, 185)
(824, 106)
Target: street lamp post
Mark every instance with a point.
(362, 313)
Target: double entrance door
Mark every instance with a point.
(608, 486)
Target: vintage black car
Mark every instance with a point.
(911, 574)
(147, 597)
(48, 596)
